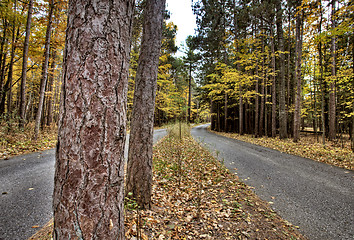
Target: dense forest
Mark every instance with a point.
(267, 68)
(277, 67)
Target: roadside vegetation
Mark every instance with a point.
(15, 141)
(196, 197)
(336, 153)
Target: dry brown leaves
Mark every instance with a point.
(195, 197)
(308, 147)
(15, 142)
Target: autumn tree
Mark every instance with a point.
(45, 66)
(22, 108)
(139, 169)
(88, 185)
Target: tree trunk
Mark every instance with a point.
(298, 50)
(44, 70)
(139, 169)
(321, 80)
(282, 102)
(22, 109)
(261, 114)
(88, 185)
(256, 125)
(225, 109)
(241, 114)
(190, 92)
(49, 117)
(274, 83)
(332, 93)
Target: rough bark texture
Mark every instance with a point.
(24, 66)
(139, 169)
(332, 93)
(88, 185)
(44, 69)
(282, 102)
(297, 111)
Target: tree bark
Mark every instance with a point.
(298, 50)
(22, 109)
(44, 70)
(139, 169)
(282, 102)
(332, 93)
(88, 184)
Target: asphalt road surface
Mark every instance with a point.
(317, 197)
(26, 188)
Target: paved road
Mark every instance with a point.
(26, 188)
(315, 196)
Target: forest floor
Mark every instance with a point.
(14, 141)
(196, 197)
(336, 153)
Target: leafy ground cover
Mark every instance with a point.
(337, 153)
(14, 141)
(196, 197)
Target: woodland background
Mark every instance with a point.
(266, 68)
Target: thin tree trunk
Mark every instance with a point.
(321, 80)
(139, 169)
(332, 93)
(297, 111)
(240, 113)
(256, 122)
(226, 130)
(274, 97)
(44, 70)
(22, 109)
(89, 174)
(261, 118)
(190, 92)
(282, 102)
(50, 99)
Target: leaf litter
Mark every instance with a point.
(195, 197)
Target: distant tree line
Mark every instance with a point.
(273, 68)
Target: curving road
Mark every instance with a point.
(315, 196)
(26, 188)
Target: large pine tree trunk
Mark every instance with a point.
(298, 50)
(22, 106)
(139, 169)
(89, 174)
(44, 69)
(332, 93)
(282, 102)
